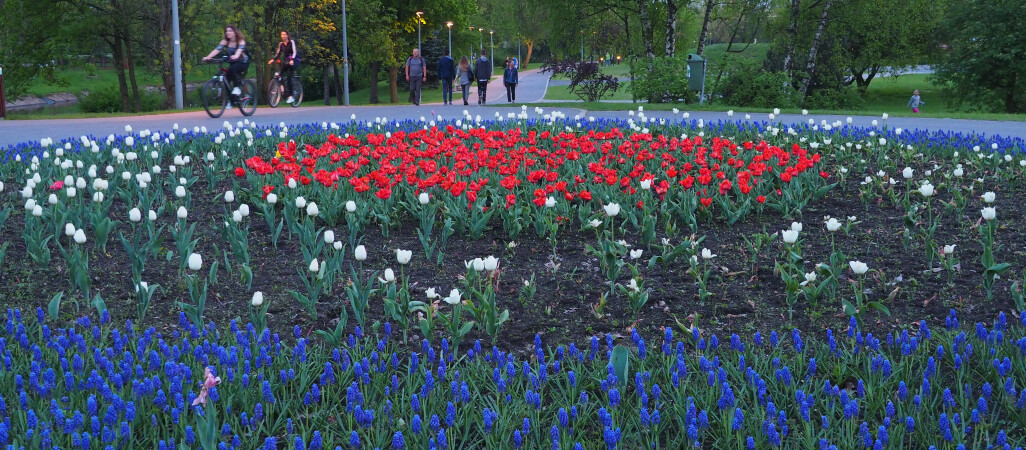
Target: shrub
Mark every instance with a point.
(752, 86)
(107, 99)
(586, 81)
(661, 80)
(834, 98)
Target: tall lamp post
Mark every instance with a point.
(480, 32)
(472, 58)
(345, 58)
(177, 55)
(491, 42)
(419, 13)
(449, 24)
(582, 45)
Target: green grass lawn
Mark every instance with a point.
(76, 81)
(563, 93)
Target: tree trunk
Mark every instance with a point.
(702, 35)
(646, 29)
(375, 67)
(863, 83)
(1010, 95)
(136, 99)
(792, 36)
(326, 81)
(810, 64)
(393, 84)
(671, 27)
(338, 85)
(166, 52)
(117, 49)
(530, 47)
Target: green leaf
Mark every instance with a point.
(55, 305)
(999, 268)
(849, 309)
(880, 307)
(99, 304)
(621, 363)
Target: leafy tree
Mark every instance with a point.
(27, 41)
(987, 58)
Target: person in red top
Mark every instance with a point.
(289, 54)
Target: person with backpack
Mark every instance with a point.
(234, 45)
(510, 79)
(466, 77)
(446, 74)
(289, 54)
(483, 70)
(415, 65)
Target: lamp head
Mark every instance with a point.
(449, 24)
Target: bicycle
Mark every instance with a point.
(276, 88)
(216, 93)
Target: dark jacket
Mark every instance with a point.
(483, 69)
(446, 68)
(510, 76)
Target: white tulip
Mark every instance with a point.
(389, 275)
(926, 190)
(789, 236)
(152, 215)
(612, 209)
(229, 196)
(37, 211)
(477, 264)
(315, 266)
(182, 212)
(988, 213)
(424, 198)
(236, 216)
(633, 285)
(351, 206)
(272, 198)
(195, 261)
(244, 209)
(988, 197)
(907, 172)
(69, 229)
(71, 192)
(52, 199)
(431, 294)
(312, 210)
(550, 202)
(635, 254)
(949, 249)
(454, 297)
(707, 254)
(403, 256)
(300, 202)
(258, 298)
(337, 245)
(292, 183)
(329, 237)
(646, 184)
(809, 277)
(180, 191)
(833, 224)
(858, 267)
(796, 226)
(594, 223)
(959, 172)
(360, 253)
(29, 204)
(80, 236)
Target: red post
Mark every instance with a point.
(3, 99)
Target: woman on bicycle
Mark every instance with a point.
(234, 45)
(289, 54)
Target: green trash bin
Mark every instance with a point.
(696, 72)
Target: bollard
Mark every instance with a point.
(3, 99)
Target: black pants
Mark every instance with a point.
(511, 92)
(415, 85)
(236, 70)
(482, 91)
(287, 72)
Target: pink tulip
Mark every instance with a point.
(209, 381)
(57, 185)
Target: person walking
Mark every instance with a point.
(446, 73)
(483, 70)
(466, 77)
(510, 78)
(915, 102)
(415, 66)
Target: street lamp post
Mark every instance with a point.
(491, 42)
(481, 34)
(449, 24)
(419, 13)
(177, 55)
(345, 58)
(582, 45)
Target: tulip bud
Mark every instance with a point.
(360, 253)
(229, 196)
(182, 212)
(258, 298)
(80, 236)
(424, 198)
(195, 261)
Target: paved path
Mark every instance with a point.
(531, 89)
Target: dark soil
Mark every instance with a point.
(746, 298)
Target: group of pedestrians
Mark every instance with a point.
(449, 72)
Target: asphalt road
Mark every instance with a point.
(531, 89)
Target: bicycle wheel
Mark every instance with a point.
(215, 98)
(274, 93)
(248, 99)
(297, 92)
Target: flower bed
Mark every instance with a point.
(141, 388)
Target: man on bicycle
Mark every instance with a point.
(289, 54)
